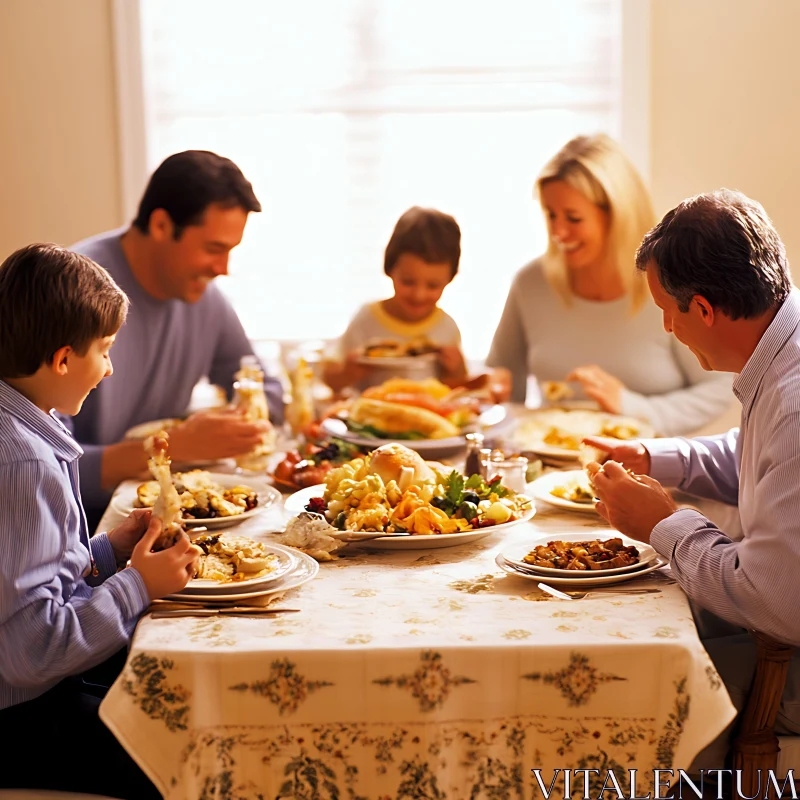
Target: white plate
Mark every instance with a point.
(541, 488)
(296, 503)
(515, 554)
(285, 564)
(583, 582)
(123, 501)
(428, 448)
(531, 428)
(305, 569)
(397, 361)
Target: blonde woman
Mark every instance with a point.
(582, 313)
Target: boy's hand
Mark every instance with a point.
(451, 360)
(127, 535)
(208, 436)
(167, 571)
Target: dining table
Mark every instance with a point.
(421, 673)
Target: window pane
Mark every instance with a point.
(345, 114)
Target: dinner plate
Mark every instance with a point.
(305, 569)
(123, 501)
(399, 362)
(285, 563)
(296, 503)
(531, 428)
(555, 580)
(515, 554)
(541, 489)
(428, 448)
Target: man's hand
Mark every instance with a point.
(605, 389)
(212, 435)
(127, 535)
(633, 504)
(631, 454)
(167, 571)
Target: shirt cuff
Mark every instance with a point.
(666, 461)
(129, 589)
(103, 555)
(668, 533)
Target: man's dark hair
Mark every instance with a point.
(51, 297)
(724, 247)
(428, 234)
(187, 183)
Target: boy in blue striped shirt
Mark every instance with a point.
(64, 606)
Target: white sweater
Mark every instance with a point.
(539, 335)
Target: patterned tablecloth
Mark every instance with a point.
(419, 674)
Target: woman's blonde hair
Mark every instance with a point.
(597, 167)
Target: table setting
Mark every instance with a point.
(403, 664)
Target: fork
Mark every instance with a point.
(583, 595)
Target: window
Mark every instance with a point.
(344, 114)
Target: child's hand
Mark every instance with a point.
(451, 360)
(127, 535)
(167, 571)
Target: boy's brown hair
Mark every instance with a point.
(51, 297)
(428, 234)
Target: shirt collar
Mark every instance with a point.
(47, 426)
(780, 329)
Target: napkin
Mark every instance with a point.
(217, 601)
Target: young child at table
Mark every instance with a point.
(421, 259)
(64, 607)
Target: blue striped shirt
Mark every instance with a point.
(757, 467)
(56, 619)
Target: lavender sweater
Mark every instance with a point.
(162, 351)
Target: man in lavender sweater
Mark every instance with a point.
(180, 328)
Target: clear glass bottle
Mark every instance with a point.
(251, 400)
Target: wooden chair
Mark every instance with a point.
(756, 745)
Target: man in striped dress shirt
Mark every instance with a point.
(64, 606)
(718, 270)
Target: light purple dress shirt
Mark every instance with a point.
(757, 467)
(56, 619)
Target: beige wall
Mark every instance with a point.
(59, 165)
(725, 104)
(725, 82)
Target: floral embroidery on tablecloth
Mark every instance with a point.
(483, 583)
(430, 684)
(359, 638)
(517, 633)
(673, 727)
(714, 680)
(578, 681)
(211, 632)
(666, 632)
(145, 680)
(284, 687)
(338, 761)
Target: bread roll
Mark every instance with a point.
(394, 418)
(430, 387)
(395, 462)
